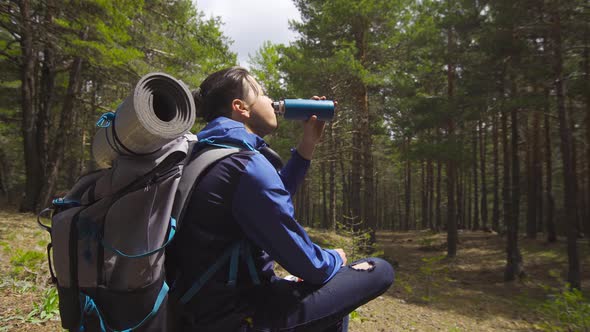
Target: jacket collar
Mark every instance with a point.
(225, 130)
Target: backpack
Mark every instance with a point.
(110, 231)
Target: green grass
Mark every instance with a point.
(566, 310)
(47, 309)
(25, 263)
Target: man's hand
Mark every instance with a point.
(312, 134)
(342, 255)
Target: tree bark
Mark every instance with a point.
(346, 184)
(452, 234)
(531, 214)
(355, 178)
(484, 190)
(587, 85)
(332, 178)
(430, 194)
(33, 161)
(424, 212)
(496, 203)
(565, 136)
(514, 266)
(325, 222)
(461, 197)
(549, 220)
(469, 219)
(47, 87)
(506, 200)
(65, 131)
(5, 186)
(439, 165)
(574, 154)
(360, 30)
(537, 171)
(408, 190)
(475, 185)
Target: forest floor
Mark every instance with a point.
(430, 293)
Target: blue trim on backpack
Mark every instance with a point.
(250, 263)
(90, 306)
(232, 254)
(233, 266)
(63, 201)
(171, 234)
(250, 147)
(105, 120)
(208, 274)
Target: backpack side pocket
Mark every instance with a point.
(64, 238)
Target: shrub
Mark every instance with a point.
(567, 310)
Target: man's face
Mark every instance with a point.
(263, 119)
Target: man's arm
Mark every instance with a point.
(264, 210)
(294, 172)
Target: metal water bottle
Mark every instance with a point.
(303, 109)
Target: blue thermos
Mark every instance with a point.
(303, 109)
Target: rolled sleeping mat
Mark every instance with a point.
(160, 109)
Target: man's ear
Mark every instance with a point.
(239, 108)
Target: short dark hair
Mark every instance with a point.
(214, 96)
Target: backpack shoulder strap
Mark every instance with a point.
(193, 169)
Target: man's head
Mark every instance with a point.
(235, 94)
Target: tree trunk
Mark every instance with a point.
(33, 161)
(360, 31)
(506, 200)
(574, 154)
(424, 212)
(47, 93)
(475, 185)
(461, 197)
(332, 178)
(549, 220)
(430, 181)
(438, 195)
(325, 223)
(355, 178)
(587, 85)
(496, 204)
(408, 191)
(537, 170)
(346, 186)
(565, 136)
(514, 266)
(5, 186)
(531, 214)
(469, 220)
(368, 178)
(452, 235)
(484, 191)
(66, 122)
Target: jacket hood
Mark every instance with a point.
(226, 130)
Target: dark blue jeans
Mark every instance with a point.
(298, 306)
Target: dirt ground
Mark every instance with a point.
(431, 292)
(467, 293)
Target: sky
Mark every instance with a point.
(249, 23)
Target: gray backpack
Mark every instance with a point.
(108, 235)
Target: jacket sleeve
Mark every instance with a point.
(294, 172)
(263, 208)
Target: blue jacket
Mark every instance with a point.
(263, 207)
(244, 197)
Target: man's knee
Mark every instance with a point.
(383, 273)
